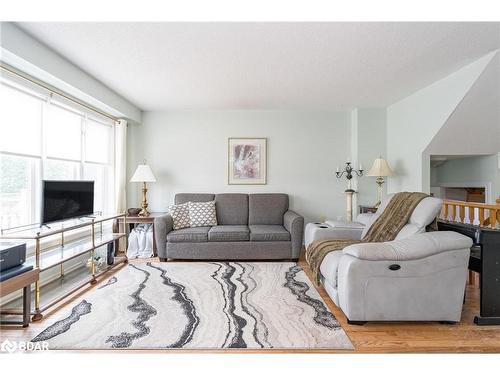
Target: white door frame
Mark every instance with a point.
(477, 184)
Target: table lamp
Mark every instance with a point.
(380, 169)
(143, 174)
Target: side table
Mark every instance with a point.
(23, 281)
(133, 220)
(367, 209)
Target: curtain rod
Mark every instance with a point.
(52, 89)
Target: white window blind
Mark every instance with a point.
(43, 138)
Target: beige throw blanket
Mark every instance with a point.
(385, 228)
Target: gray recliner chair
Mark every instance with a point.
(420, 276)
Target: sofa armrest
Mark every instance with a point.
(414, 247)
(163, 225)
(294, 223)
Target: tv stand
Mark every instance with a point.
(48, 255)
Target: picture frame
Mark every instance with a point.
(247, 161)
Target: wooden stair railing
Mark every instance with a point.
(485, 215)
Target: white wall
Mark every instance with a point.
(188, 153)
(481, 170)
(414, 121)
(371, 143)
(27, 54)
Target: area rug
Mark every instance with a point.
(200, 306)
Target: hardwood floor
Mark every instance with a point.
(370, 338)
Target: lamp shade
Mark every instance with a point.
(380, 168)
(143, 174)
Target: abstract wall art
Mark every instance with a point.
(247, 161)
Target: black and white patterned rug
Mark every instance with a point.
(200, 306)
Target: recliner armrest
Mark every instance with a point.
(294, 223)
(414, 247)
(163, 225)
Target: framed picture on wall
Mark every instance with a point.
(247, 161)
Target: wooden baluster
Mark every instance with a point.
(472, 278)
(471, 215)
(462, 214)
(445, 212)
(453, 212)
(481, 216)
(493, 218)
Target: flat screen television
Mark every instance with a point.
(66, 199)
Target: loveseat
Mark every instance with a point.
(249, 226)
(420, 276)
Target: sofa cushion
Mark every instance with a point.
(228, 233)
(267, 209)
(330, 265)
(202, 214)
(193, 197)
(232, 209)
(198, 234)
(268, 233)
(180, 215)
(426, 211)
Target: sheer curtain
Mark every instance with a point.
(120, 166)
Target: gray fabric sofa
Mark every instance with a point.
(250, 227)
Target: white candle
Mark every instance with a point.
(338, 169)
(360, 167)
(348, 160)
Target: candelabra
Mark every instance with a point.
(348, 172)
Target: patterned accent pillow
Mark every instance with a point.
(202, 214)
(180, 215)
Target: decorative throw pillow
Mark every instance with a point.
(202, 214)
(180, 215)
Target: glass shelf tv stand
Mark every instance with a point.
(66, 240)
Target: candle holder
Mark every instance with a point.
(348, 172)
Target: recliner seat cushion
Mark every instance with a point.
(198, 234)
(267, 209)
(268, 233)
(232, 209)
(228, 233)
(330, 265)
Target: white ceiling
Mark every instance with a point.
(169, 66)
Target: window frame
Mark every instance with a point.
(39, 161)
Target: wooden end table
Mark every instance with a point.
(133, 220)
(23, 281)
(367, 209)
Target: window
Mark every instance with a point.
(41, 138)
(18, 176)
(62, 131)
(20, 114)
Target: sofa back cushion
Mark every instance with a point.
(423, 215)
(193, 197)
(232, 209)
(267, 208)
